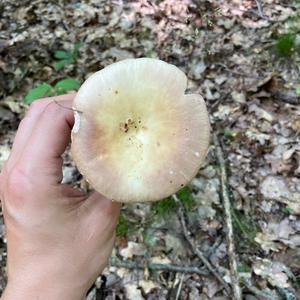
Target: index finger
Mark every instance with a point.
(49, 139)
(28, 124)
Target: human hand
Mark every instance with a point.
(59, 239)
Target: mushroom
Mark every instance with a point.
(137, 136)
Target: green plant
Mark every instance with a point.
(287, 210)
(165, 206)
(285, 45)
(228, 133)
(244, 226)
(41, 90)
(122, 227)
(244, 268)
(46, 90)
(66, 57)
(65, 85)
(298, 91)
(185, 195)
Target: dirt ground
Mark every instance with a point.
(228, 51)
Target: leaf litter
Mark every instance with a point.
(229, 53)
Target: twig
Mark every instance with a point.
(260, 9)
(260, 293)
(179, 287)
(157, 267)
(232, 71)
(229, 234)
(198, 252)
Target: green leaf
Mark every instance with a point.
(40, 91)
(66, 85)
(59, 54)
(298, 91)
(285, 45)
(122, 227)
(287, 210)
(60, 64)
(228, 133)
(77, 46)
(243, 268)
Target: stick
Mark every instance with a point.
(260, 9)
(157, 267)
(260, 293)
(198, 252)
(229, 234)
(179, 287)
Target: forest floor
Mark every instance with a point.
(244, 60)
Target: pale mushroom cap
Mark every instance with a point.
(137, 137)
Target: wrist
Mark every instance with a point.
(39, 291)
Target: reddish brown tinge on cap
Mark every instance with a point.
(137, 136)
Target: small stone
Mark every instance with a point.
(68, 174)
(208, 172)
(238, 97)
(220, 79)
(197, 69)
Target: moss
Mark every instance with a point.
(185, 195)
(164, 207)
(285, 45)
(168, 205)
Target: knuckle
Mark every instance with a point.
(18, 183)
(51, 108)
(37, 107)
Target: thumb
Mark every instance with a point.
(102, 210)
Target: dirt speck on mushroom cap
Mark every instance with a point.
(136, 125)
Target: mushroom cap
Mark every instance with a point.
(137, 136)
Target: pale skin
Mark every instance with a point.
(59, 239)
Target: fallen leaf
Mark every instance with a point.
(133, 249)
(238, 97)
(133, 292)
(274, 272)
(275, 188)
(148, 285)
(260, 113)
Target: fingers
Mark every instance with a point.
(29, 123)
(49, 138)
